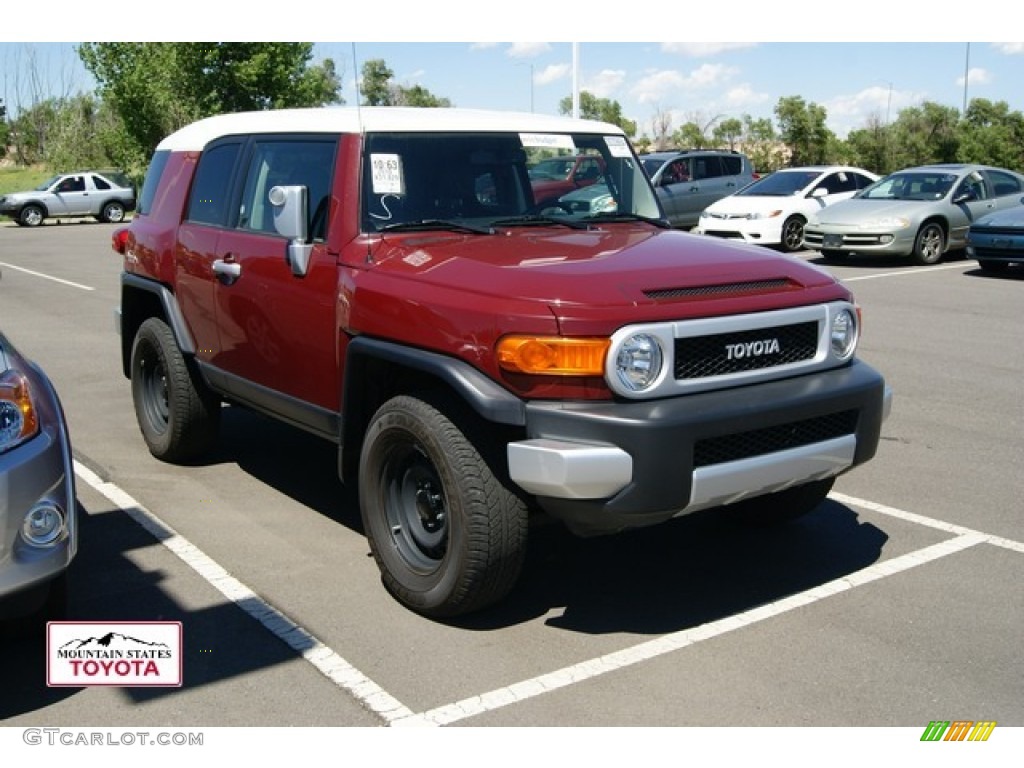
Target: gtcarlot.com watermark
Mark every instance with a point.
(77, 737)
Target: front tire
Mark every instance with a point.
(987, 265)
(792, 234)
(447, 535)
(178, 416)
(782, 506)
(833, 257)
(31, 216)
(929, 245)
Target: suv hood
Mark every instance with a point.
(647, 273)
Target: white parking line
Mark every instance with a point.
(47, 277)
(329, 663)
(902, 273)
(347, 677)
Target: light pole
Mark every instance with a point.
(967, 72)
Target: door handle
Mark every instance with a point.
(227, 271)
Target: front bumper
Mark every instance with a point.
(38, 472)
(603, 467)
(753, 231)
(888, 243)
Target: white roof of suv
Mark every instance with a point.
(196, 136)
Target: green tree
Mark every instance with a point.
(156, 88)
(728, 132)
(990, 133)
(925, 134)
(762, 145)
(802, 128)
(375, 84)
(605, 110)
(380, 90)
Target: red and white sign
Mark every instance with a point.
(127, 654)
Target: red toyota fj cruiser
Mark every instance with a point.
(384, 278)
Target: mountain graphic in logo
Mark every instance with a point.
(112, 641)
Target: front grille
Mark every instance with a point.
(744, 445)
(726, 289)
(699, 357)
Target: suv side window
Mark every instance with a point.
(287, 162)
(732, 165)
(100, 183)
(707, 167)
(208, 202)
(72, 184)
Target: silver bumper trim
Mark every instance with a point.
(569, 470)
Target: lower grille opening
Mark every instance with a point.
(744, 445)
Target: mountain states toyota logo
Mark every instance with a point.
(127, 654)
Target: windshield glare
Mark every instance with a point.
(475, 179)
(911, 186)
(780, 184)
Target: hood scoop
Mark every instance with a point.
(723, 289)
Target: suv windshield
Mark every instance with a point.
(471, 180)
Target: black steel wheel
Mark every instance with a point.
(178, 416)
(447, 535)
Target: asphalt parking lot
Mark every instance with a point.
(897, 603)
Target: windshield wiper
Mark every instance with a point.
(616, 216)
(529, 219)
(454, 226)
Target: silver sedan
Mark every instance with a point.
(38, 507)
(919, 212)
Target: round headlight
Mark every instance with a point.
(638, 363)
(844, 334)
(43, 525)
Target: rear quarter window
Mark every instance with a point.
(152, 181)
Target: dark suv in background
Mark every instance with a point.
(689, 181)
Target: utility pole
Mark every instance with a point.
(576, 80)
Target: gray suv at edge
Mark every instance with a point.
(689, 181)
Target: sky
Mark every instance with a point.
(702, 80)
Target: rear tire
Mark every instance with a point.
(178, 416)
(112, 213)
(447, 535)
(783, 506)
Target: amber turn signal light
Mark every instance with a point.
(553, 355)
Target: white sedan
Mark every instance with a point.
(774, 209)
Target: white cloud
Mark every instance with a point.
(848, 112)
(1009, 48)
(743, 96)
(656, 86)
(551, 73)
(976, 76)
(605, 83)
(526, 50)
(700, 50)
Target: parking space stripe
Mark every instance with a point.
(910, 517)
(323, 658)
(902, 272)
(577, 673)
(396, 714)
(47, 277)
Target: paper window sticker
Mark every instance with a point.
(548, 141)
(617, 146)
(386, 174)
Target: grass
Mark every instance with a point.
(22, 179)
